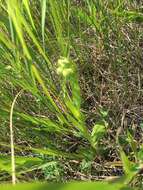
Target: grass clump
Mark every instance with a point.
(79, 66)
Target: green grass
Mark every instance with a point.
(79, 66)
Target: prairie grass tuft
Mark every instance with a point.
(79, 65)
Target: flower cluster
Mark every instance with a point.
(65, 67)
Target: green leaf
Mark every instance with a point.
(140, 154)
(43, 5)
(68, 186)
(97, 133)
(48, 125)
(126, 163)
(21, 162)
(58, 153)
(27, 7)
(131, 16)
(133, 144)
(103, 113)
(16, 17)
(129, 167)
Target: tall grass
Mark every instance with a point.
(47, 49)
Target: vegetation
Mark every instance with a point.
(71, 91)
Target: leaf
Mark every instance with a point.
(97, 133)
(74, 110)
(140, 154)
(4, 38)
(126, 163)
(103, 113)
(16, 17)
(47, 93)
(133, 144)
(47, 124)
(58, 153)
(130, 168)
(131, 16)
(27, 7)
(43, 5)
(41, 82)
(68, 186)
(21, 162)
